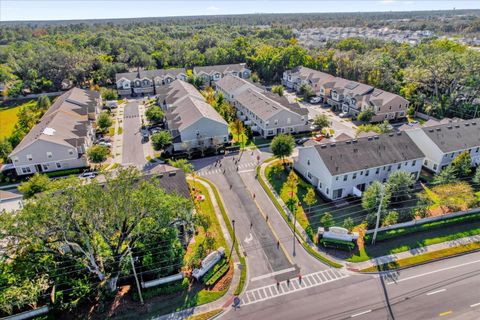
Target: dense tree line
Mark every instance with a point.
(439, 77)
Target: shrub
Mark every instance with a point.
(154, 114)
(217, 275)
(37, 183)
(104, 121)
(62, 173)
(98, 153)
(213, 270)
(161, 139)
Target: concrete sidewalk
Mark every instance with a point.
(412, 253)
(226, 300)
(302, 231)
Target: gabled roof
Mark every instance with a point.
(312, 75)
(170, 178)
(66, 121)
(459, 135)
(231, 84)
(151, 74)
(369, 152)
(223, 68)
(383, 100)
(187, 106)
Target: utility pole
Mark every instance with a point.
(233, 242)
(135, 275)
(378, 214)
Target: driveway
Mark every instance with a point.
(132, 153)
(338, 124)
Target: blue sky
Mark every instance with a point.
(89, 9)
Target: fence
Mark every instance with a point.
(32, 96)
(424, 116)
(424, 220)
(28, 314)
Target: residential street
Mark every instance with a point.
(247, 203)
(444, 288)
(132, 153)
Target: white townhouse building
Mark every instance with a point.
(293, 79)
(348, 96)
(348, 167)
(266, 113)
(212, 74)
(193, 123)
(146, 82)
(443, 141)
(63, 135)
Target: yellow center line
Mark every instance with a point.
(446, 313)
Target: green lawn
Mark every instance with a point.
(8, 116)
(419, 239)
(310, 217)
(421, 258)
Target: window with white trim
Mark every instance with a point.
(29, 157)
(70, 152)
(49, 155)
(26, 170)
(59, 165)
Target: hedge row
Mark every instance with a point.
(60, 173)
(218, 274)
(213, 270)
(389, 234)
(337, 243)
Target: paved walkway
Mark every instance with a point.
(297, 225)
(412, 253)
(226, 300)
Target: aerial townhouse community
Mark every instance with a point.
(350, 97)
(266, 113)
(211, 74)
(147, 82)
(348, 167)
(192, 122)
(63, 135)
(442, 141)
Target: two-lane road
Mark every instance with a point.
(443, 289)
(132, 153)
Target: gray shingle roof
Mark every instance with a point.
(170, 178)
(187, 106)
(231, 83)
(66, 121)
(151, 74)
(455, 136)
(370, 152)
(223, 68)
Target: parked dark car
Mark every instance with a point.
(301, 141)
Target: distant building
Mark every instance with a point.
(348, 96)
(443, 141)
(63, 135)
(265, 112)
(146, 82)
(193, 123)
(211, 74)
(348, 167)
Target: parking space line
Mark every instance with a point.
(360, 313)
(435, 292)
(474, 305)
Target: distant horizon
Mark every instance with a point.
(80, 10)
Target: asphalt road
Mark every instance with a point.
(444, 289)
(132, 152)
(269, 249)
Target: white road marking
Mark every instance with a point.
(254, 295)
(249, 170)
(268, 275)
(475, 305)
(359, 314)
(435, 271)
(249, 238)
(437, 291)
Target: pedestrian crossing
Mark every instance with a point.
(220, 170)
(294, 285)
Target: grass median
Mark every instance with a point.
(425, 257)
(285, 217)
(243, 270)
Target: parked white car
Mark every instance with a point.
(88, 175)
(343, 115)
(315, 100)
(105, 144)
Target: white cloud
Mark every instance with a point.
(388, 1)
(213, 9)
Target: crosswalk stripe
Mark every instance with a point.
(308, 281)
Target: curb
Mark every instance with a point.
(456, 255)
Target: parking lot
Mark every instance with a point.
(338, 124)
